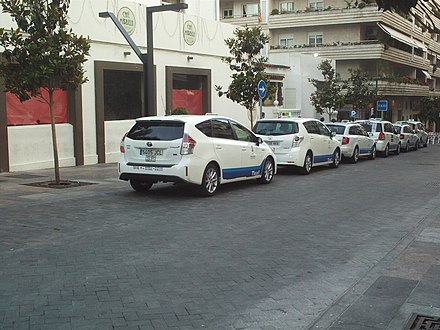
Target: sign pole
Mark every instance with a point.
(261, 108)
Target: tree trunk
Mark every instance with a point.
(54, 138)
(252, 117)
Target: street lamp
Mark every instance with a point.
(146, 59)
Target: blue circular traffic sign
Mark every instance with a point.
(262, 89)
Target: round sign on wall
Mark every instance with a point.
(189, 33)
(126, 17)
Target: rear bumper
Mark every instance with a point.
(294, 157)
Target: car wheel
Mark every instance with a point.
(397, 152)
(386, 152)
(372, 153)
(210, 181)
(416, 145)
(141, 186)
(407, 146)
(268, 171)
(308, 163)
(336, 159)
(355, 157)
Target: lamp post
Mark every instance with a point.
(146, 59)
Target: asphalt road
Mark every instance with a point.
(304, 252)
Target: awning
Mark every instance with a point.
(426, 73)
(402, 37)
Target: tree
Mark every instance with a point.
(359, 93)
(327, 96)
(248, 66)
(41, 53)
(430, 110)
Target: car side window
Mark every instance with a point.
(362, 130)
(323, 130)
(353, 131)
(205, 127)
(222, 129)
(408, 129)
(311, 127)
(378, 128)
(388, 128)
(242, 133)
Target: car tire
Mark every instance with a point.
(397, 152)
(386, 152)
(140, 186)
(308, 163)
(407, 146)
(372, 153)
(336, 159)
(355, 157)
(416, 146)
(268, 171)
(210, 181)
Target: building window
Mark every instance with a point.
(227, 13)
(371, 33)
(286, 7)
(316, 5)
(315, 39)
(286, 41)
(250, 9)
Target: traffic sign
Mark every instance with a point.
(382, 105)
(353, 113)
(262, 88)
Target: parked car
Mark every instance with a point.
(302, 142)
(408, 139)
(383, 133)
(419, 129)
(355, 141)
(200, 150)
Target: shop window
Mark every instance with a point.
(36, 111)
(250, 9)
(187, 93)
(315, 39)
(122, 94)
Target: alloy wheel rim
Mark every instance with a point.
(336, 158)
(308, 163)
(356, 155)
(211, 180)
(268, 170)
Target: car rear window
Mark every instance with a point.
(159, 130)
(338, 129)
(275, 128)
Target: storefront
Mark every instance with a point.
(91, 121)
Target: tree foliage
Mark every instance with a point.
(429, 109)
(359, 91)
(41, 53)
(247, 66)
(327, 96)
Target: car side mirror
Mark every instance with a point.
(414, 131)
(332, 134)
(370, 134)
(259, 141)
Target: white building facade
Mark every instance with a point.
(187, 57)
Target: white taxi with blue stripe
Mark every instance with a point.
(302, 142)
(202, 150)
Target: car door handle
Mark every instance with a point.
(218, 147)
(243, 148)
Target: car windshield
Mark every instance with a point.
(275, 128)
(157, 130)
(338, 129)
(397, 128)
(368, 126)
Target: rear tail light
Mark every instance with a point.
(402, 136)
(345, 140)
(188, 145)
(121, 146)
(381, 136)
(297, 139)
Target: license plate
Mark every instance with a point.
(273, 143)
(150, 154)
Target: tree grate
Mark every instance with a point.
(423, 322)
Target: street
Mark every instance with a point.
(356, 247)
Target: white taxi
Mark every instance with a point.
(408, 138)
(382, 132)
(302, 142)
(355, 141)
(201, 150)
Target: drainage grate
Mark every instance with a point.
(433, 184)
(24, 176)
(63, 184)
(423, 322)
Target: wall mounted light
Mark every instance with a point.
(189, 58)
(127, 53)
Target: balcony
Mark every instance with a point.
(363, 50)
(239, 20)
(402, 89)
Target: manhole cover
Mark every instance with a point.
(423, 322)
(24, 176)
(62, 185)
